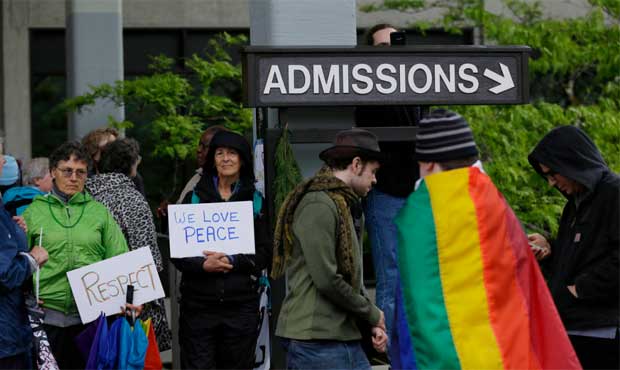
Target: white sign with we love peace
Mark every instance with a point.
(226, 227)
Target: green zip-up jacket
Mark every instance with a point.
(319, 303)
(79, 233)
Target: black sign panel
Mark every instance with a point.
(279, 77)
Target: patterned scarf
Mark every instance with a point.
(345, 199)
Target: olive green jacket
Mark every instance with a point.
(319, 303)
(79, 233)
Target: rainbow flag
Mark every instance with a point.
(473, 295)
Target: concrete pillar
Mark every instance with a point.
(303, 23)
(94, 56)
(15, 93)
(306, 23)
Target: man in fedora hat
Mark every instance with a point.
(316, 244)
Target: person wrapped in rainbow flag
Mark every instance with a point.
(471, 294)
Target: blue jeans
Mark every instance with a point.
(401, 352)
(324, 354)
(380, 210)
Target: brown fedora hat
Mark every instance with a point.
(354, 142)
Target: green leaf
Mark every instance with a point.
(179, 105)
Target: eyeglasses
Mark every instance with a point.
(68, 172)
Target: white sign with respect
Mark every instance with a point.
(102, 286)
(226, 227)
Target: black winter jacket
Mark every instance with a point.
(585, 253)
(240, 284)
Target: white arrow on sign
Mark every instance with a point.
(504, 80)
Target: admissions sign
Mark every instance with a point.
(385, 75)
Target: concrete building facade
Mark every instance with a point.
(23, 22)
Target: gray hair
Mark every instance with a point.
(36, 168)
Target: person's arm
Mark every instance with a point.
(315, 228)
(189, 264)
(15, 268)
(600, 282)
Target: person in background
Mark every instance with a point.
(78, 231)
(37, 181)
(395, 181)
(94, 142)
(113, 187)
(201, 157)
(317, 245)
(16, 267)
(10, 175)
(218, 325)
(583, 260)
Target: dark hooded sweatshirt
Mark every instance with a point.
(585, 253)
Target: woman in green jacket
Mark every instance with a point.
(77, 231)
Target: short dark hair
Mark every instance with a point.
(341, 163)
(458, 163)
(119, 156)
(368, 39)
(67, 150)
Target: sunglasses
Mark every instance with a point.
(68, 172)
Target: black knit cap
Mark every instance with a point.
(443, 136)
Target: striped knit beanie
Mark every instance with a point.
(442, 136)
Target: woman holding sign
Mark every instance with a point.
(77, 231)
(219, 292)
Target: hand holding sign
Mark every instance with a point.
(216, 262)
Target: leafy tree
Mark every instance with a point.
(169, 108)
(287, 172)
(574, 80)
(178, 105)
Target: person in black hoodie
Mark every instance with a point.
(218, 325)
(583, 262)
